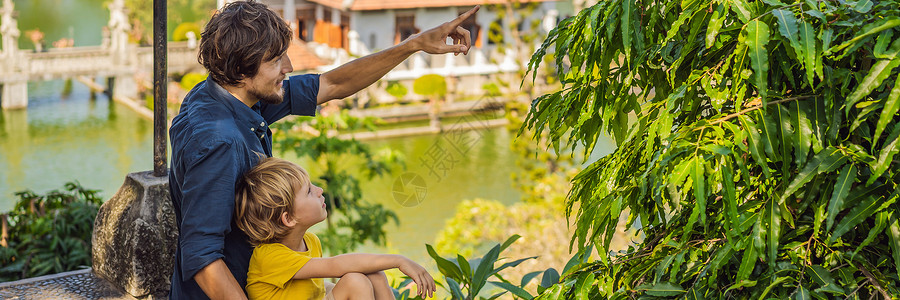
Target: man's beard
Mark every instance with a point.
(267, 98)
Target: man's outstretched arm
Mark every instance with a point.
(354, 76)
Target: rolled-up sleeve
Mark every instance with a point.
(208, 204)
(300, 98)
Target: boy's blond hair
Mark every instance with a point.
(264, 194)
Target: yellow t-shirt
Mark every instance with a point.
(272, 269)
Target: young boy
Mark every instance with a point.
(275, 206)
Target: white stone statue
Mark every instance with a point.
(9, 29)
(549, 21)
(191, 40)
(118, 26)
(356, 46)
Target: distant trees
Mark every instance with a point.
(141, 14)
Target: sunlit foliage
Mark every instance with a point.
(755, 146)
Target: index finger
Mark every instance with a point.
(464, 16)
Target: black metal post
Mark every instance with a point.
(160, 84)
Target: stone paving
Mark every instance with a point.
(81, 284)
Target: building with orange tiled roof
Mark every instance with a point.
(337, 30)
(364, 26)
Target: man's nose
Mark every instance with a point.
(286, 65)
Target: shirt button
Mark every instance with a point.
(262, 135)
(252, 129)
(262, 123)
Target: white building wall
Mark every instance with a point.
(380, 25)
(377, 25)
(432, 17)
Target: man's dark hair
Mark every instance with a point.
(238, 38)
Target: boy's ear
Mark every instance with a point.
(287, 220)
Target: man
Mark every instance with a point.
(223, 127)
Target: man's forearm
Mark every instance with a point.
(356, 75)
(217, 282)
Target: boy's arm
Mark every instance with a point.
(337, 266)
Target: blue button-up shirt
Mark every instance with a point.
(215, 139)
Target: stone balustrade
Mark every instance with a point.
(120, 66)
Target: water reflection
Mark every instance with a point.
(57, 140)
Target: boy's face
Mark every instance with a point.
(266, 86)
(309, 205)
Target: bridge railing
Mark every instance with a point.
(92, 61)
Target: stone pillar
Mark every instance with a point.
(419, 64)
(135, 236)
(15, 95)
(452, 82)
(509, 61)
(290, 13)
(123, 86)
(449, 62)
(479, 59)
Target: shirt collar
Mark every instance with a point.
(249, 116)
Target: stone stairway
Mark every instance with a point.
(75, 285)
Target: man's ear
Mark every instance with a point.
(287, 220)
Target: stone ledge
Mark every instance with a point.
(80, 284)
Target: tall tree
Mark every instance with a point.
(755, 146)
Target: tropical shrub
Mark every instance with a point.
(396, 89)
(465, 278)
(755, 146)
(181, 31)
(316, 138)
(50, 233)
(479, 224)
(189, 80)
(431, 85)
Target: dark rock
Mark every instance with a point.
(134, 237)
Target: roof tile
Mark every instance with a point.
(401, 4)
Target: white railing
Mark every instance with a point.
(92, 60)
(479, 61)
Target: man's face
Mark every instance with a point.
(266, 86)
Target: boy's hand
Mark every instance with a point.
(425, 286)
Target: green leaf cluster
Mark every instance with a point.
(189, 80)
(316, 138)
(430, 85)
(466, 278)
(396, 89)
(756, 144)
(46, 234)
(180, 33)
